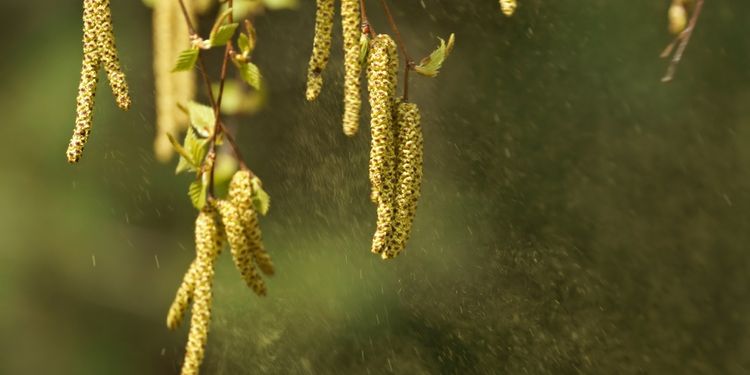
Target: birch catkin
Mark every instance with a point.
(208, 242)
(170, 38)
(108, 51)
(240, 194)
(87, 84)
(410, 156)
(182, 299)
(321, 48)
(382, 73)
(350, 20)
(98, 48)
(508, 7)
(240, 247)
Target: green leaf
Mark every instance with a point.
(223, 34)
(195, 150)
(280, 4)
(243, 43)
(178, 147)
(364, 47)
(250, 74)
(261, 199)
(202, 118)
(186, 60)
(197, 193)
(430, 65)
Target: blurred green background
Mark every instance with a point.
(578, 216)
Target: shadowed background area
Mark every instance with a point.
(577, 215)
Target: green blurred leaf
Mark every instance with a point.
(250, 74)
(223, 34)
(149, 3)
(197, 193)
(261, 199)
(225, 167)
(186, 60)
(280, 4)
(202, 118)
(430, 65)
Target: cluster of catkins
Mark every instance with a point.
(396, 151)
(350, 21)
(235, 221)
(508, 7)
(98, 49)
(677, 16)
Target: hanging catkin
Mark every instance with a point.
(170, 38)
(98, 47)
(182, 299)
(240, 194)
(240, 247)
(409, 156)
(508, 7)
(87, 84)
(111, 62)
(208, 242)
(382, 73)
(350, 20)
(321, 48)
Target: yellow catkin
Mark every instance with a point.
(87, 84)
(240, 194)
(350, 20)
(410, 156)
(321, 48)
(108, 53)
(508, 7)
(208, 242)
(182, 299)
(240, 246)
(382, 73)
(677, 16)
(170, 38)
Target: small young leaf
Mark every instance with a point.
(364, 47)
(430, 65)
(261, 199)
(243, 43)
(223, 34)
(250, 74)
(202, 118)
(195, 150)
(197, 193)
(178, 147)
(186, 60)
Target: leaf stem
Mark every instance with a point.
(409, 64)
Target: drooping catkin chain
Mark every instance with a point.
(409, 156)
(182, 299)
(87, 83)
(508, 7)
(240, 246)
(382, 73)
(240, 194)
(208, 243)
(98, 48)
(321, 48)
(170, 31)
(350, 21)
(108, 49)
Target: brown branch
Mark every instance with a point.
(683, 38)
(409, 64)
(366, 26)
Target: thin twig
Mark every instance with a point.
(684, 39)
(409, 64)
(366, 26)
